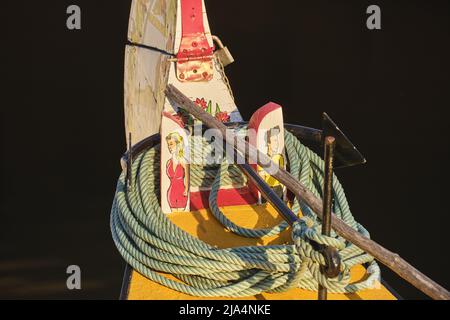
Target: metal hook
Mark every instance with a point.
(332, 266)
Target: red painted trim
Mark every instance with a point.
(259, 115)
(225, 197)
(192, 17)
(193, 39)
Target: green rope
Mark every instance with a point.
(152, 244)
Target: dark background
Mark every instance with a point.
(63, 133)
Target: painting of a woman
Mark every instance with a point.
(177, 172)
(273, 151)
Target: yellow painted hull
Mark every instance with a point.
(204, 226)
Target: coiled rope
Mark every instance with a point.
(152, 244)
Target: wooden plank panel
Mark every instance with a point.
(152, 23)
(146, 73)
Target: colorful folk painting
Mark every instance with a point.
(177, 172)
(174, 166)
(276, 153)
(266, 132)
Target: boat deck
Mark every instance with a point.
(203, 225)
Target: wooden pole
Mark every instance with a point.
(392, 260)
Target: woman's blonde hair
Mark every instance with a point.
(175, 136)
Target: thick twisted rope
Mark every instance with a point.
(152, 244)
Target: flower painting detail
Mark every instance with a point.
(202, 103)
(187, 119)
(222, 116)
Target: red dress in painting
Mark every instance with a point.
(175, 192)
